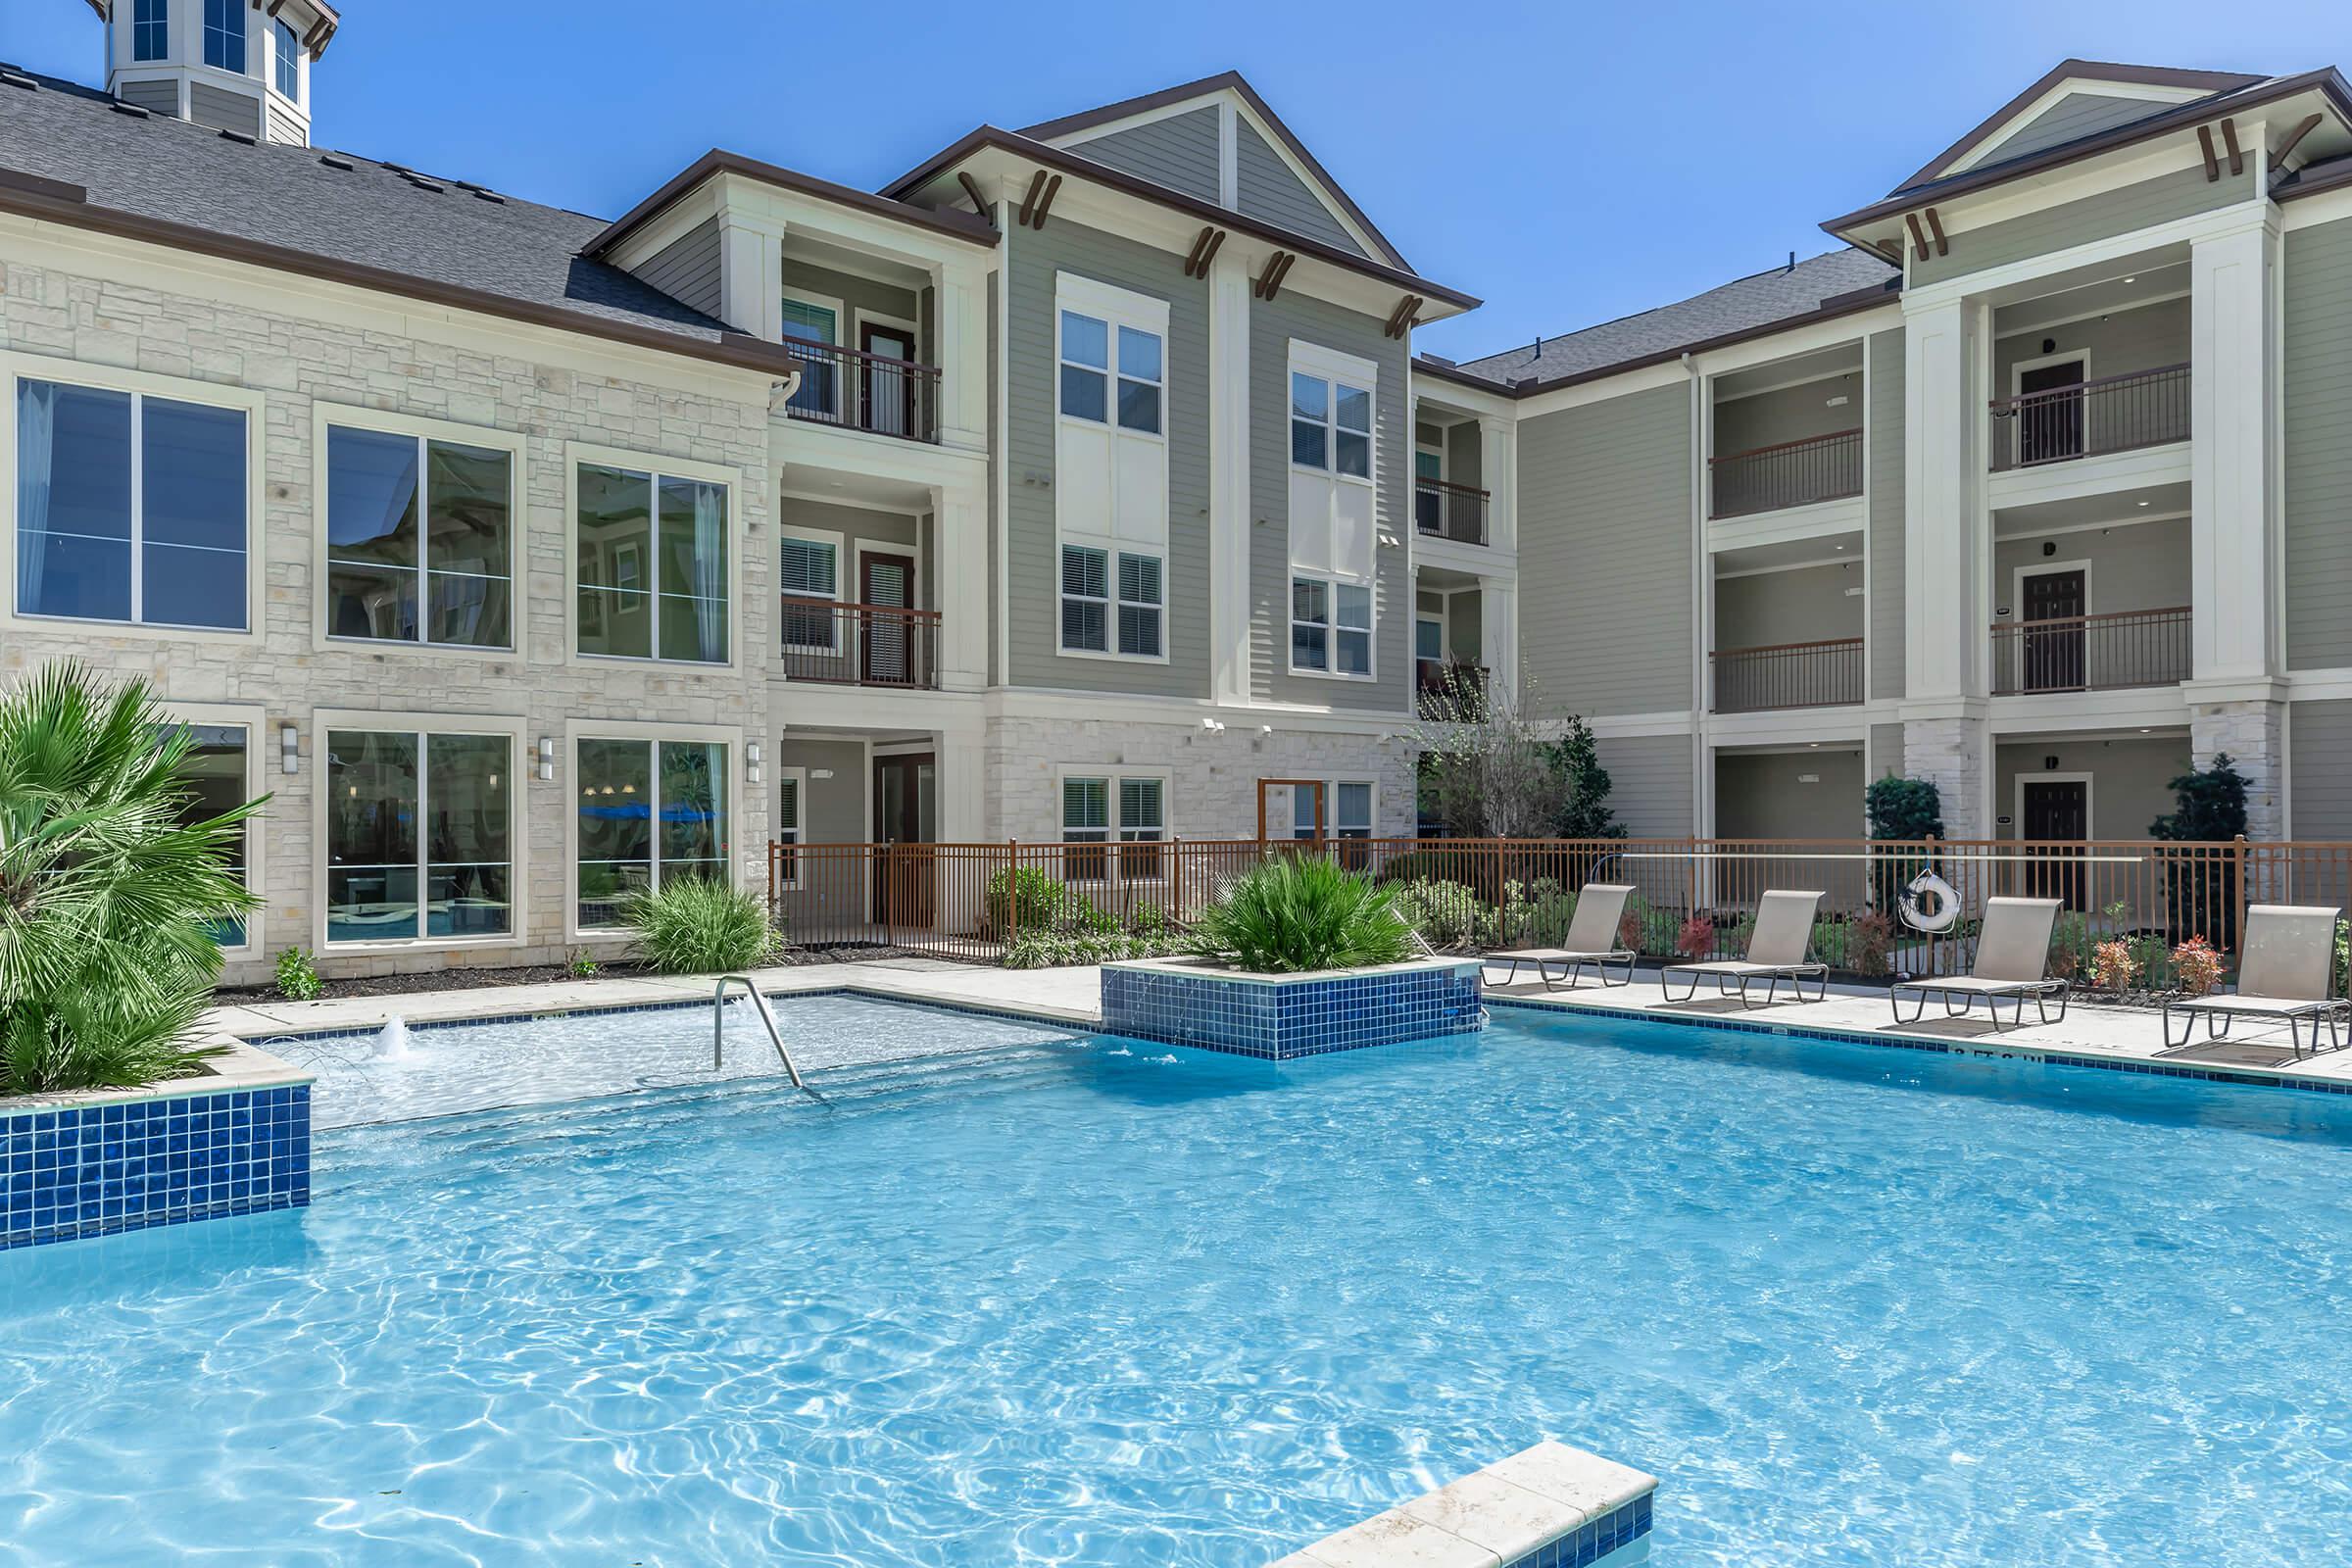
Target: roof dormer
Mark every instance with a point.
(239, 65)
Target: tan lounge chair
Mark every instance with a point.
(1592, 942)
(2285, 973)
(2013, 962)
(1777, 950)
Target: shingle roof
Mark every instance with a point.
(370, 214)
(1742, 306)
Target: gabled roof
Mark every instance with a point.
(2087, 71)
(945, 221)
(1208, 87)
(79, 157)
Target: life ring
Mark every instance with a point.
(1945, 909)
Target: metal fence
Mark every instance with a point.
(1693, 898)
(1815, 674)
(1788, 474)
(2084, 419)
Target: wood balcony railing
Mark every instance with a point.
(860, 391)
(2090, 653)
(1447, 690)
(1788, 474)
(1817, 674)
(1453, 512)
(2113, 414)
(860, 645)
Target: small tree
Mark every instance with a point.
(1901, 810)
(2209, 807)
(1583, 812)
(1492, 766)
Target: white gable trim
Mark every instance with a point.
(1988, 146)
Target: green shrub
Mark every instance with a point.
(1054, 950)
(581, 965)
(1042, 904)
(696, 926)
(298, 977)
(1298, 914)
(1447, 915)
(109, 887)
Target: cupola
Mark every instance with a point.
(240, 65)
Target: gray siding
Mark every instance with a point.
(832, 811)
(2103, 215)
(1788, 413)
(1886, 750)
(285, 127)
(224, 109)
(2319, 449)
(1765, 796)
(1266, 188)
(1465, 454)
(687, 267)
(996, 522)
(2117, 344)
(2128, 779)
(1650, 783)
(1272, 326)
(156, 97)
(1884, 437)
(1179, 152)
(861, 294)
(1807, 605)
(2078, 113)
(2319, 770)
(1606, 554)
(1034, 606)
(1465, 628)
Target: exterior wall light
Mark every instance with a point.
(289, 749)
(751, 762)
(547, 759)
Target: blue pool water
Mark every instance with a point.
(1079, 1301)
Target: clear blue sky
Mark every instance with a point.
(1568, 163)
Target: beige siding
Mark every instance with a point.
(1273, 324)
(1650, 783)
(1767, 796)
(1884, 437)
(1034, 604)
(2102, 215)
(1179, 152)
(687, 267)
(1606, 554)
(2319, 446)
(2130, 780)
(2320, 771)
(1267, 189)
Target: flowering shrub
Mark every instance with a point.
(2113, 965)
(2197, 967)
(1696, 939)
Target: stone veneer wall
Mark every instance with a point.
(645, 403)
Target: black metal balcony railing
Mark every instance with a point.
(860, 645)
(1817, 674)
(2113, 414)
(860, 391)
(1447, 690)
(2090, 653)
(1790, 473)
(1453, 512)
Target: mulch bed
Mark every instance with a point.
(401, 985)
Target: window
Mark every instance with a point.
(418, 836)
(225, 34)
(811, 569)
(151, 29)
(791, 784)
(1085, 597)
(1143, 823)
(651, 812)
(679, 609)
(1352, 809)
(129, 507)
(1140, 829)
(419, 540)
(1428, 640)
(1139, 606)
(1317, 642)
(821, 375)
(1331, 426)
(1139, 380)
(1086, 373)
(289, 59)
(216, 771)
(1111, 478)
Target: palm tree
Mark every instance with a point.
(107, 892)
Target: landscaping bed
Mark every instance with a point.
(460, 979)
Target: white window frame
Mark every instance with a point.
(1335, 370)
(281, 32)
(1332, 627)
(164, 24)
(204, 38)
(843, 389)
(1115, 308)
(17, 367)
(255, 722)
(421, 428)
(577, 452)
(1116, 827)
(576, 730)
(796, 835)
(838, 596)
(512, 728)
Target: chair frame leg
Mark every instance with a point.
(1666, 990)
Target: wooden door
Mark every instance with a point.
(2050, 427)
(890, 651)
(2057, 813)
(2054, 657)
(887, 396)
(903, 807)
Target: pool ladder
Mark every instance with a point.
(719, 1026)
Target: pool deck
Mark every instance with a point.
(2091, 1031)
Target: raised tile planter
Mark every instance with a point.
(1548, 1506)
(235, 1140)
(1280, 1017)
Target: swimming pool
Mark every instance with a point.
(1075, 1300)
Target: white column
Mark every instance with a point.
(1498, 473)
(1499, 629)
(960, 325)
(959, 547)
(751, 275)
(1947, 559)
(2233, 503)
(1229, 502)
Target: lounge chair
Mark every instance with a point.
(2013, 962)
(1777, 951)
(1592, 942)
(2285, 973)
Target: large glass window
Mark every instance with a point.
(1139, 606)
(215, 770)
(288, 60)
(1318, 641)
(1085, 599)
(812, 571)
(651, 811)
(1331, 426)
(1139, 827)
(225, 34)
(418, 836)
(651, 566)
(791, 783)
(821, 375)
(151, 29)
(129, 507)
(383, 567)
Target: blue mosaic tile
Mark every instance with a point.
(92, 1170)
(1596, 1540)
(1284, 1022)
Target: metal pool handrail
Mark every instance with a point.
(718, 1025)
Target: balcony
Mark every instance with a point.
(2090, 653)
(859, 391)
(860, 645)
(1454, 511)
(2090, 418)
(1445, 690)
(1815, 674)
(1788, 473)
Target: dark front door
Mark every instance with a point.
(886, 404)
(904, 814)
(886, 583)
(2050, 426)
(2052, 648)
(2057, 814)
